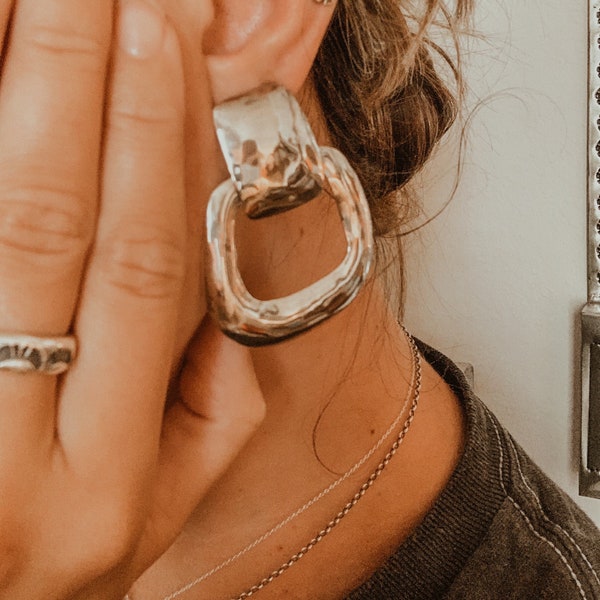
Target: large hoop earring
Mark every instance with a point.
(275, 165)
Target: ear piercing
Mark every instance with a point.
(275, 165)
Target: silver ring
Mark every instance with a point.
(30, 354)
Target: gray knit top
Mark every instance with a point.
(500, 530)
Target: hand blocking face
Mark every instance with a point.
(109, 155)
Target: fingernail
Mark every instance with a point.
(141, 28)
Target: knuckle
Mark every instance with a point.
(53, 227)
(144, 261)
(132, 115)
(60, 42)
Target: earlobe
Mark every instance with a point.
(251, 42)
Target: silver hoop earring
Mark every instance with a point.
(275, 165)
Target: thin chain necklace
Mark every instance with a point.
(414, 391)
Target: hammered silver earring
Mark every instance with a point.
(275, 165)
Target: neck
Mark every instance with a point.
(340, 370)
(331, 393)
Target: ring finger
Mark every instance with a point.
(51, 103)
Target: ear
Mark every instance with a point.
(251, 42)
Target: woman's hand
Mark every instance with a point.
(95, 478)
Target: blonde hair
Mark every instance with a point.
(385, 102)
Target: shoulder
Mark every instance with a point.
(501, 528)
(539, 544)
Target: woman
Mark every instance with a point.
(170, 461)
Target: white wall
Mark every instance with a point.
(499, 279)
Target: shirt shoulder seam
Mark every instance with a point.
(557, 527)
(551, 522)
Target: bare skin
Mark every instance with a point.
(350, 376)
(278, 471)
(108, 157)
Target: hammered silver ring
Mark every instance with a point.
(31, 354)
